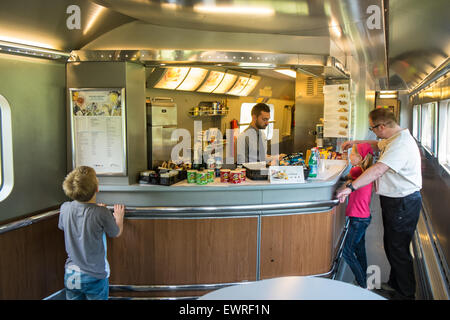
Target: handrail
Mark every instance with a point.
(142, 211)
(238, 208)
(28, 221)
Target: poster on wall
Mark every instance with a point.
(336, 111)
(98, 130)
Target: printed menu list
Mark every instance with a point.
(98, 129)
(336, 111)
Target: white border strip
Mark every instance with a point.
(7, 150)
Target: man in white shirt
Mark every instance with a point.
(398, 180)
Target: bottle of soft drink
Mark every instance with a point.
(313, 161)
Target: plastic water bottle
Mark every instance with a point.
(313, 163)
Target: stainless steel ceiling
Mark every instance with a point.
(301, 17)
(343, 22)
(419, 40)
(418, 31)
(43, 22)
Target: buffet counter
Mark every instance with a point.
(249, 192)
(186, 238)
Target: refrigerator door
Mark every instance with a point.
(164, 115)
(162, 144)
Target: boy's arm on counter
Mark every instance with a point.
(119, 212)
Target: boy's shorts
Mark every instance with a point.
(81, 286)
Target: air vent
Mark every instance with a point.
(310, 86)
(320, 84)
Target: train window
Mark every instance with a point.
(6, 170)
(416, 122)
(429, 127)
(444, 134)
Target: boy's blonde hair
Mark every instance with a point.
(81, 184)
(367, 161)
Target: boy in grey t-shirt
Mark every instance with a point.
(86, 224)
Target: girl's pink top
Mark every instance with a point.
(359, 201)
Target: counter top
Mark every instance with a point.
(250, 192)
(334, 170)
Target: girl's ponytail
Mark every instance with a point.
(367, 161)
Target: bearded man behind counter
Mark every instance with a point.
(252, 142)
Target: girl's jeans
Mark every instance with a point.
(354, 251)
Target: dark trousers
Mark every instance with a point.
(400, 216)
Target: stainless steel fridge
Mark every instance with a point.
(161, 122)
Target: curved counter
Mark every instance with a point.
(187, 236)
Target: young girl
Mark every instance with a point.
(358, 211)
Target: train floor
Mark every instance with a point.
(374, 249)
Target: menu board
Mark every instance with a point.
(250, 86)
(98, 130)
(193, 79)
(172, 78)
(213, 80)
(336, 111)
(238, 86)
(226, 83)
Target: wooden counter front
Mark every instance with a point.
(184, 251)
(189, 251)
(296, 244)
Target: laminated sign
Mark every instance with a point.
(286, 174)
(336, 111)
(98, 130)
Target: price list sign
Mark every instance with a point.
(98, 130)
(336, 111)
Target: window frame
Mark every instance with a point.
(6, 150)
(417, 122)
(444, 134)
(432, 148)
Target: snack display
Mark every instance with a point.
(210, 175)
(225, 175)
(235, 176)
(191, 176)
(243, 174)
(201, 178)
(293, 159)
